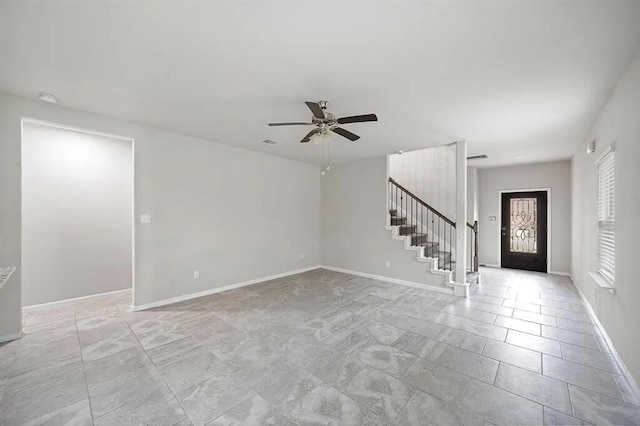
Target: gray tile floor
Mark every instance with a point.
(320, 348)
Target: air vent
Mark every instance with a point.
(478, 157)
(271, 142)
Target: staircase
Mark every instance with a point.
(430, 233)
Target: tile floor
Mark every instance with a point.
(320, 348)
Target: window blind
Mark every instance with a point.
(607, 216)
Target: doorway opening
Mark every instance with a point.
(77, 214)
(524, 230)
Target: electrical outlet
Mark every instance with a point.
(388, 264)
(196, 275)
(301, 255)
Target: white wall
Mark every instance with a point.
(555, 175)
(354, 210)
(618, 122)
(235, 215)
(430, 174)
(472, 194)
(77, 211)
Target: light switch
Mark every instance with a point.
(145, 218)
(492, 218)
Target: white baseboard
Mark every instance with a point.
(390, 280)
(10, 337)
(75, 299)
(190, 296)
(566, 274)
(490, 265)
(625, 371)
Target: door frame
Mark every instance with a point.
(549, 224)
(24, 120)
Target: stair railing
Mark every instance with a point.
(427, 227)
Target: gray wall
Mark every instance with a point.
(555, 175)
(77, 211)
(209, 213)
(618, 122)
(354, 237)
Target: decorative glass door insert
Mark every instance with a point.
(524, 223)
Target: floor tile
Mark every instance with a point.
(462, 339)
(122, 389)
(501, 407)
(284, 384)
(598, 409)
(539, 344)
(437, 380)
(472, 303)
(426, 410)
(556, 418)
(514, 355)
(523, 306)
(188, 371)
(519, 325)
(335, 368)
(468, 312)
(78, 414)
(212, 397)
(469, 363)
(324, 405)
(383, 333)
(386, 358)
(572, 337)
(255, 411)
(590, 357)
(535, 317)
(483, 329)
(379, 393)
(563, 313)
(581, 375)
(578, 326)
(114, 365)
(174, 351)
(159, 408)
(536, 387)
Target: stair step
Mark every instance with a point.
(395, 221)
(419, 239)
(393, 212)
(407, 229)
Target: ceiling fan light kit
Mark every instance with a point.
(326, 122)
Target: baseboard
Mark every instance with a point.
(10, 337)
(190, 296)
(390, 280)
(489, 265)
(75, 299)
(566, 274)
(625, 371)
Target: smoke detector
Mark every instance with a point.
(47, 97)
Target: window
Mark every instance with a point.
(607, 216)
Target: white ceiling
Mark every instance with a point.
(513, 78)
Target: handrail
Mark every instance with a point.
(443, 217)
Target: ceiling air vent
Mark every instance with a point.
(478, 157)
(271, 142)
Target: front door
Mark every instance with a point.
(524, 230)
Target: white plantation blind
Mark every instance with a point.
(607, 216)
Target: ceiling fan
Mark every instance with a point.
(326, 122)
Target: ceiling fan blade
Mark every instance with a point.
(316, 110)
(345, 133)
(307, 138)
(357, 119)
(295, 123)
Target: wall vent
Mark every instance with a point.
(478, 157)
(271, 142)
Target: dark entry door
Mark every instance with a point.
(524, 230)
